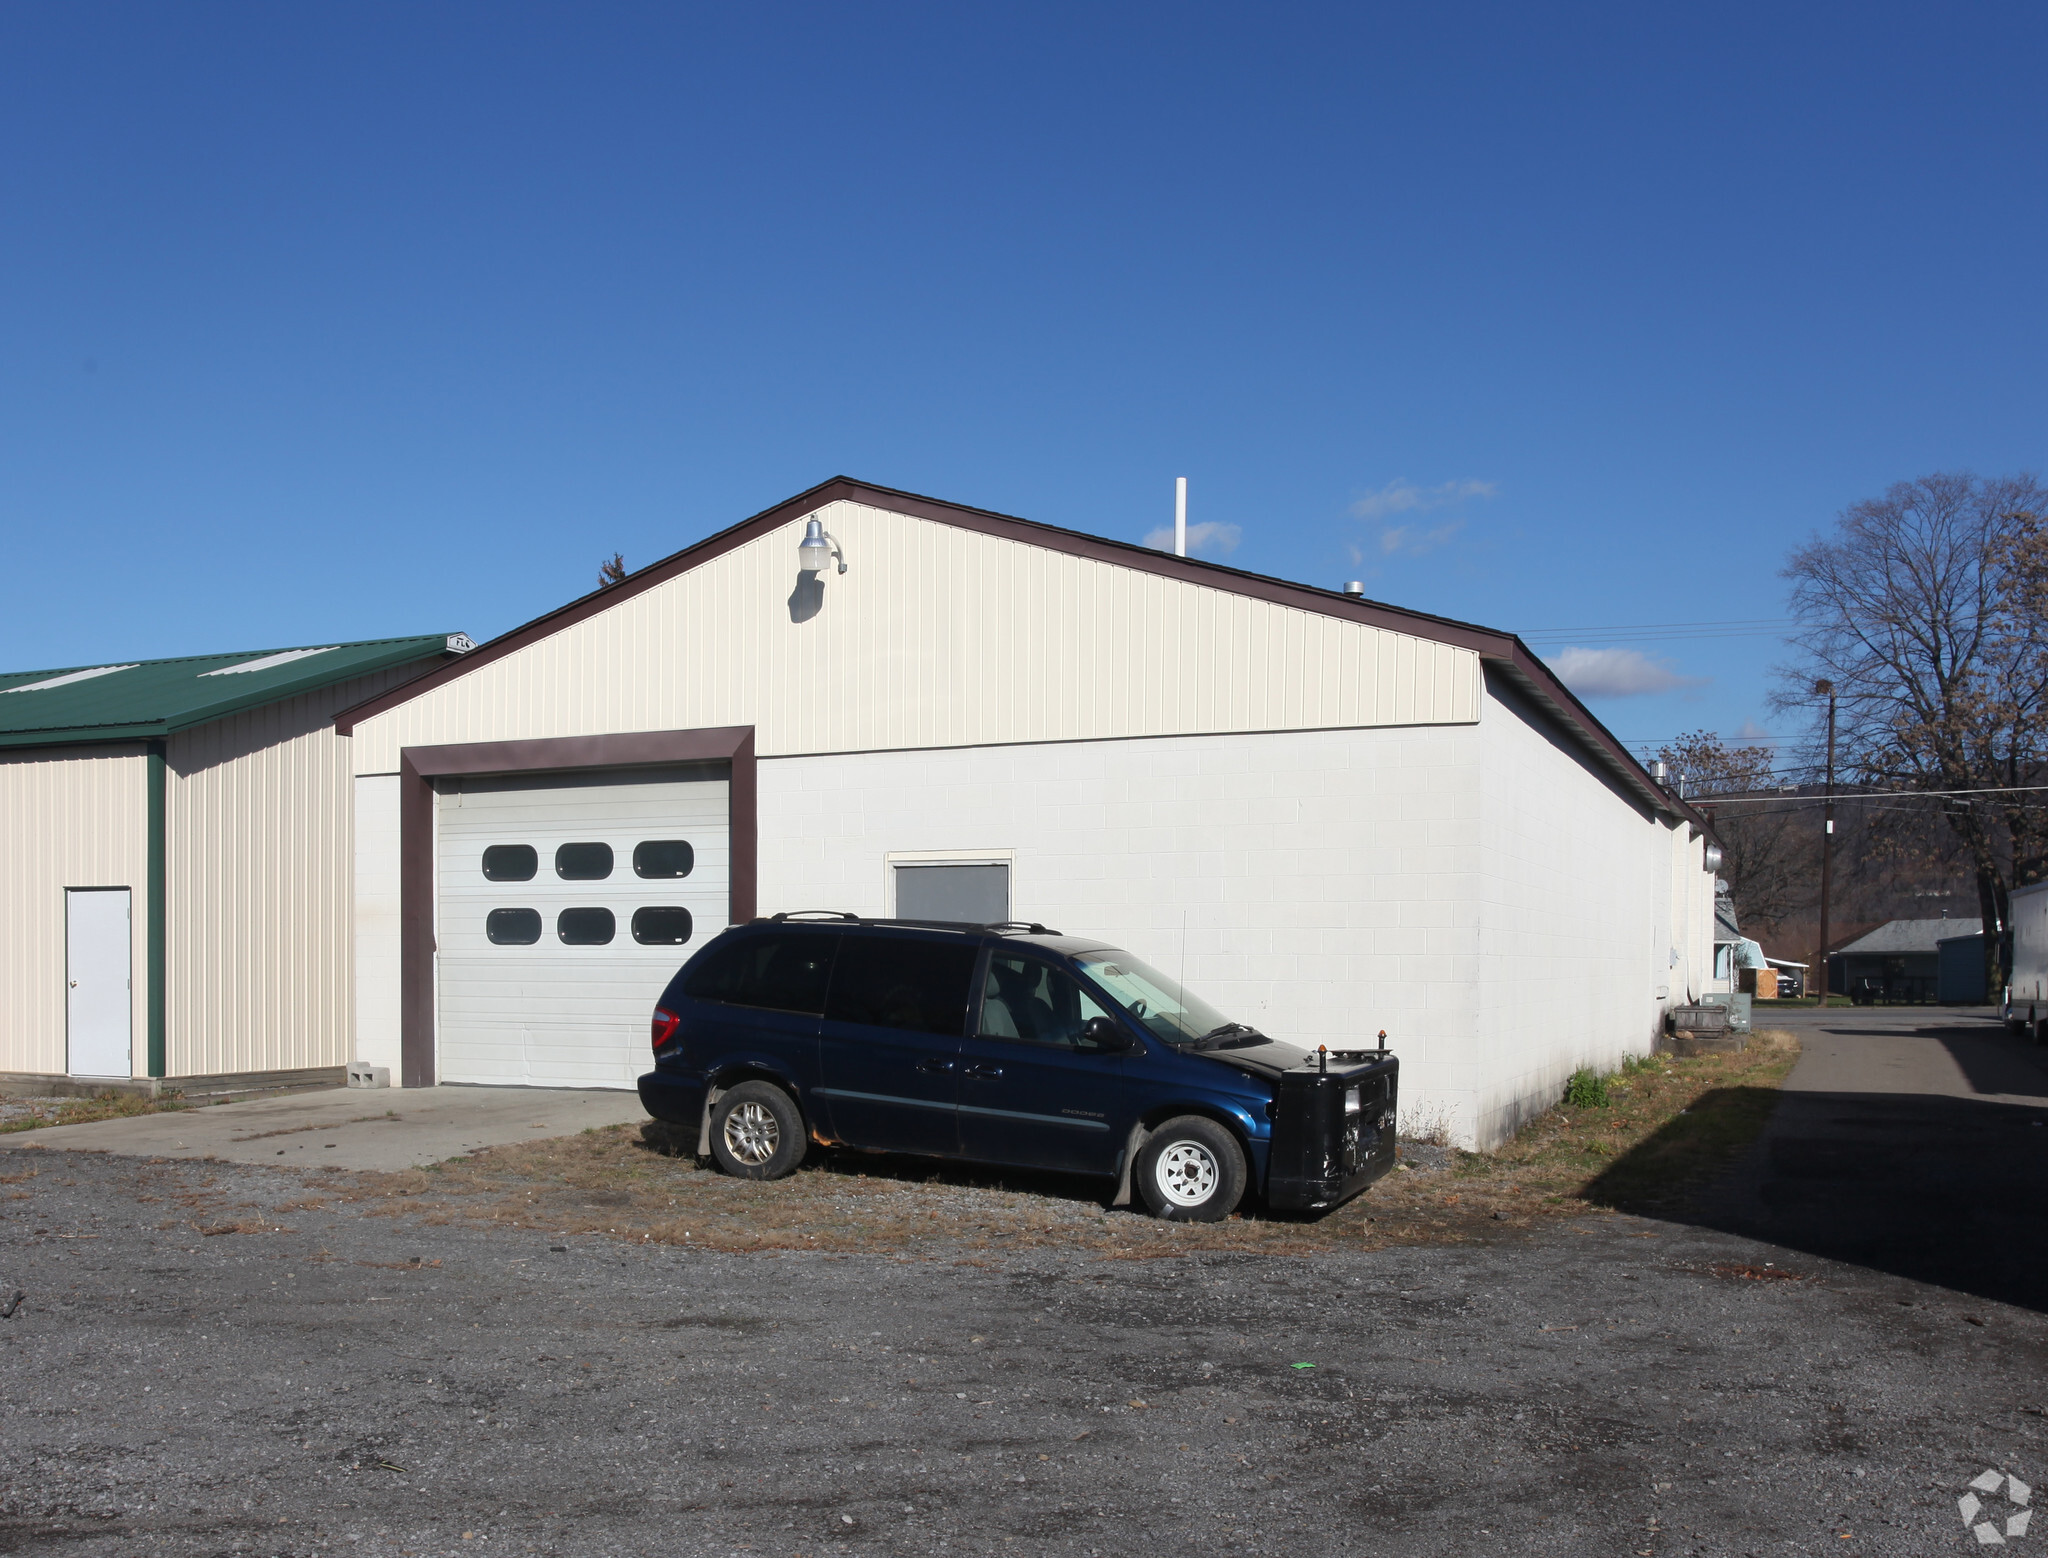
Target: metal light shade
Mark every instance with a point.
(814, 553)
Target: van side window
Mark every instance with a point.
(1029, 1002)
(776, 973)
(892, 982)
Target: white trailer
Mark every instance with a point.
(2026, 988)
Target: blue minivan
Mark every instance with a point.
(1005, 1044)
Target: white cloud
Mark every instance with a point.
(1410, 538)
(1414, 540)
(1752, 731)
(1404, 497)
(1205, 537)
(1616, 673)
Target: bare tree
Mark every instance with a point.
(1763, 856)
(611, 571)
(1923, 609)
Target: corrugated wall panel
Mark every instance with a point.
(260, 861)
(69, 817)
(937, 636)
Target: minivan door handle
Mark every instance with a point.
(983, 1073)
(935, 1063)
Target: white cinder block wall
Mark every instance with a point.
(1499, 918)
(1578, 933)
(1319, 884)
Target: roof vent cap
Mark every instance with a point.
(1354, 587)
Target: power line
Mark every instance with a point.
(1859, 795)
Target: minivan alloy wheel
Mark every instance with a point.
(751, 1134)
(757, 1132)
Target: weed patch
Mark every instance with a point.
(30, 1114)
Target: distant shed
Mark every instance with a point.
(177, 838)
(1960, 972)
(1899, 961)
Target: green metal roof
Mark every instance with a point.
(133, 700)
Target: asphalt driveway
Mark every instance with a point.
(1911, 1140)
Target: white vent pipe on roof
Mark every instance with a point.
(1180, 516)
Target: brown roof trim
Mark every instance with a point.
(1503, 649)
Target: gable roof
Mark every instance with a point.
(1503, 652)
(138, 699)
(1911, 936)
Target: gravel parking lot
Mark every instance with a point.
(210, 1359)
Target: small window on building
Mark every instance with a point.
(661, 926)
(583, 862)
(513, 927)
(586, 927)
(961, 894)
(665, 858)
(510, 863)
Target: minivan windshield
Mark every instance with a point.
(1169, 1012)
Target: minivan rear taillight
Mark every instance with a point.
(665, 1025)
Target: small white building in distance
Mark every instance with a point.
(1330, 816)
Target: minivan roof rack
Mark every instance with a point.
(811, 914)
(1021, 927)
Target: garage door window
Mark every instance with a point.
(663, 858)
(510, 863)
(661, 926)
(586, 927)
(512, 927)
(583, 862)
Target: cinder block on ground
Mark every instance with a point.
(362, 1074)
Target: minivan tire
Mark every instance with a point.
(1191, 1170)
(757, 1132)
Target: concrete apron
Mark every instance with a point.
(350, 1128)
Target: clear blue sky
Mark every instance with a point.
(346, 321)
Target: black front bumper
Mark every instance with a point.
(1333, 1130)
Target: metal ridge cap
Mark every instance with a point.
(232, 654)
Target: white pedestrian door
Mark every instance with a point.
(564, 905)
(99, 1008)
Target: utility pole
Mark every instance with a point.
(1827, 838)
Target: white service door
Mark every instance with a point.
(529, 993)
(99, 1007)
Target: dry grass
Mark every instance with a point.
(29, 1114)
(1669, 1125)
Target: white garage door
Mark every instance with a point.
(565, 903)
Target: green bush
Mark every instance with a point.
(1586, 1090)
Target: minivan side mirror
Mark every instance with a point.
(1101, 1033)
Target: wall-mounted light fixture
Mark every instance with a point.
(819, 548)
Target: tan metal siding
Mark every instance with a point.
(260, 835)
(69, 817)
(937, 637)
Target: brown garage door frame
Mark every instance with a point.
(419, 767)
